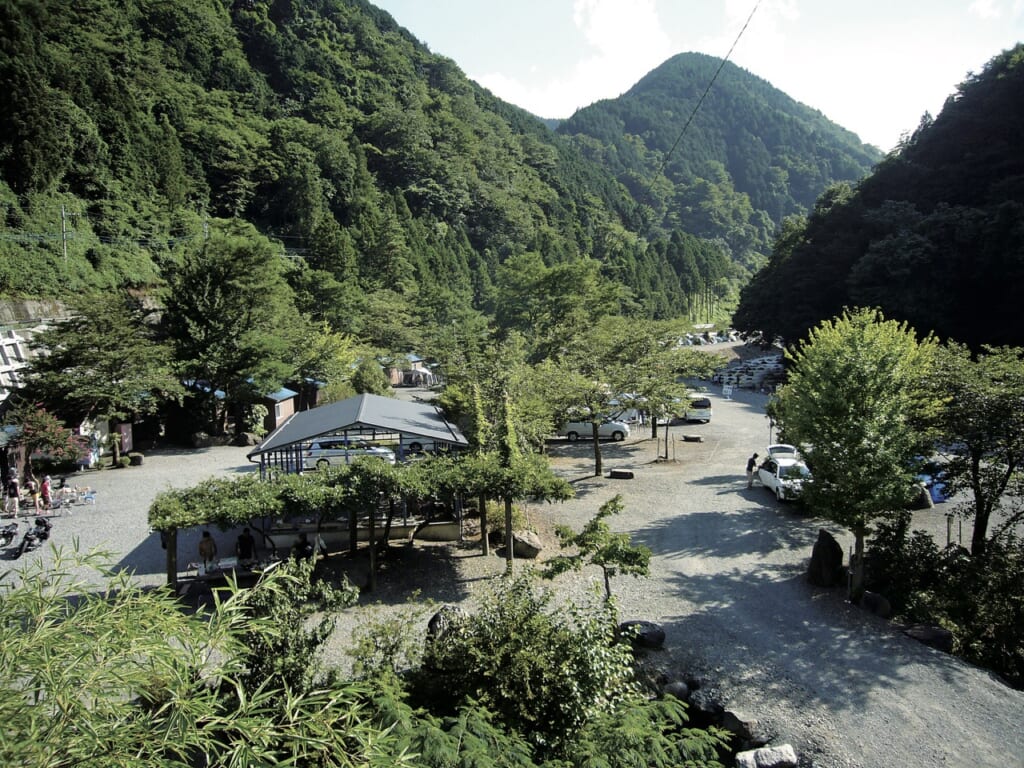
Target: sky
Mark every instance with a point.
(872, 66)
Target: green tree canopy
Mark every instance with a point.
(982, 421)
(231, 317)
(105, 361)
(122, 676)
(854, 403)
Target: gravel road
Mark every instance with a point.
(844, 688)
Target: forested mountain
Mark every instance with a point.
(399, 186)
(935, 236)
(750, 156)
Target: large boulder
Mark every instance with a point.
(448, 619)
(826, 566)
(934, 637)
(872, 602)
(677, 688)
(747, 732)
(781, 756)
(642, 634)
(526, 544)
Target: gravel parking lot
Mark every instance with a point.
(117, 522)
(848, 690)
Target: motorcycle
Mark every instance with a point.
(34, 536)
(8, 534)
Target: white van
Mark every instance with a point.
(584, 430)
(698, 408)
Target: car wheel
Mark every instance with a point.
(573, 437)
(322, 464)
(618, 437)
(780, 494)
(416, 447)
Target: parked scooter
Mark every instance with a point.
(34, 536)
(8, 534)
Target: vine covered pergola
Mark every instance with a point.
(347, 493)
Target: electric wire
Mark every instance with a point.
(707, 90)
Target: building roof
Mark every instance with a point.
(384, 414)
(282, 394)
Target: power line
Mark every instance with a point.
(707, 90)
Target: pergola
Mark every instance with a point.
(405, 426)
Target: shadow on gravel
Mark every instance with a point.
(724, 535)
(820, 646)
(426, 571)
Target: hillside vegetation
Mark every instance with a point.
(399, 186)
(750, 156)
(935, 236)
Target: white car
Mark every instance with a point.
(783, 475)
(335, 451)
(614, 430)
(698, 408)
(783, 451)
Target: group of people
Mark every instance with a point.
(41, 493)
(245, 549)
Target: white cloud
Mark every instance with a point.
(624, 41)
(985, 9)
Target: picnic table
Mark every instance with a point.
(197, 575)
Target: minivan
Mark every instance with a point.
(698, 408)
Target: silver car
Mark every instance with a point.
(335, 451)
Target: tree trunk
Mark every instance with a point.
(353, 531)
(387, 523)
(509, 555)
(979, 538)
(857, 567)
(485, 544)
(372, 582)
(171, 543)
(115, 445)
(598, 467)
(654, 427)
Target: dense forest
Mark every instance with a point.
(935, 236)
(750, 156)
(397, 186)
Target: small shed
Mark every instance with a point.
(280, 405)
(405, 427)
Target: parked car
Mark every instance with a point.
(698, 408)
(930, 485)
(782, 451)
(614, 430)
(335, 451)
(783, 475)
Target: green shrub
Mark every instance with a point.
(496, 519)
(979, 599)
(543, 669)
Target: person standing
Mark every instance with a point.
(33, 491)
(207, 550)
(751, 465)
(13, 489)
(46, 492)
(245, 547)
